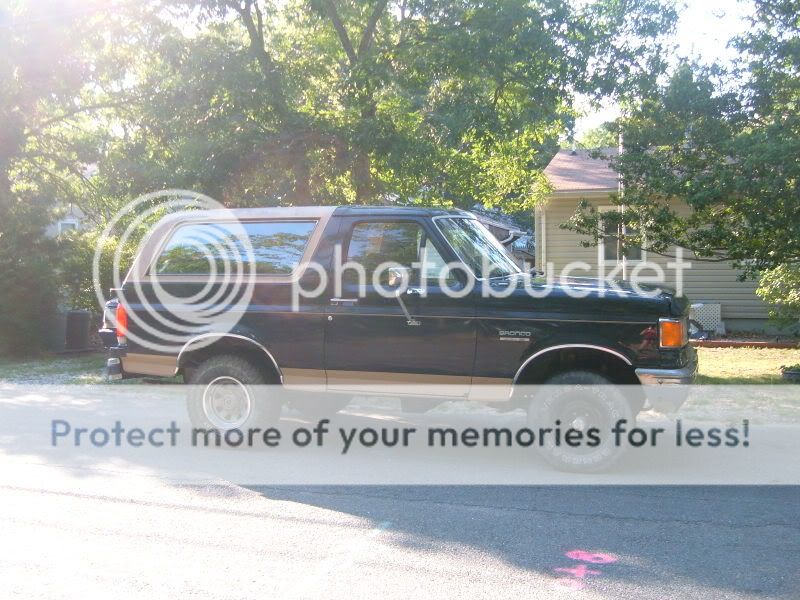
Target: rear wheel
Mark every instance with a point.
(583, 401)
(227, 393)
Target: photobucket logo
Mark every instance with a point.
(348, 280)
(199, 279)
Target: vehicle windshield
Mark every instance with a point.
(477, 247)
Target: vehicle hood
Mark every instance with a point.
(592, 297)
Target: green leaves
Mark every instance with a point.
(713, 165)
(780, 286)
(266, 102)
(318, 101)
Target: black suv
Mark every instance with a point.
(480, 324)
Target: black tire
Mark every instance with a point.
(207, 411)
(315, 406)
(581, 400)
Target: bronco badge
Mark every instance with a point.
(514, 336)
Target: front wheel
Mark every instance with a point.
(228, 392)
(583, 401)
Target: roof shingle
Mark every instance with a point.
(580, 172)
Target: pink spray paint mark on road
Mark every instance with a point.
(579, 573)
(596, 558)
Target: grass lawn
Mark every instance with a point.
(744, 365)
(86, 368)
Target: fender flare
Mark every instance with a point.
(543, 351)
(187, 347)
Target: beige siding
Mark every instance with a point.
(703, 282)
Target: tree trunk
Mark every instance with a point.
(362, 178)
(5, 191)
(302, 181)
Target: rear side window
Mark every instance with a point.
(202, 248)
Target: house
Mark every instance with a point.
(68, 218)
(576, 176)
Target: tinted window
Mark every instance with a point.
(277, 247)
(404, 243)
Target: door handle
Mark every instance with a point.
(417, 292)
(345, 301)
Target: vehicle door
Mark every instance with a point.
(384, 330)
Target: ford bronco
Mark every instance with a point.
(480, 324)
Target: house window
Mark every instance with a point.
(67, 225)
(612, 240)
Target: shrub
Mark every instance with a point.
(781, 287)
(28, 287)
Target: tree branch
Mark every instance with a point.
(344, 39)
(369, 31)
(269, 68)
(259, 24)
(76, 111)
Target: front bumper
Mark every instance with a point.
(664, 389)
(683, 376)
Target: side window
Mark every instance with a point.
(373, 244)
(197, 248)
(432, 265)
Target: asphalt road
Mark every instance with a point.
(97, 527)
(113, 535)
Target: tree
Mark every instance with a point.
(41, 78)
(780, 286)
(323, 101)
(262, 102)
(603, 136)
(729, 152)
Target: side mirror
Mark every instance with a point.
(396, 276)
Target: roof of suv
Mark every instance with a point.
(411, 211)
(281, 212)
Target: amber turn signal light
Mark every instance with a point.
(672, 333)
